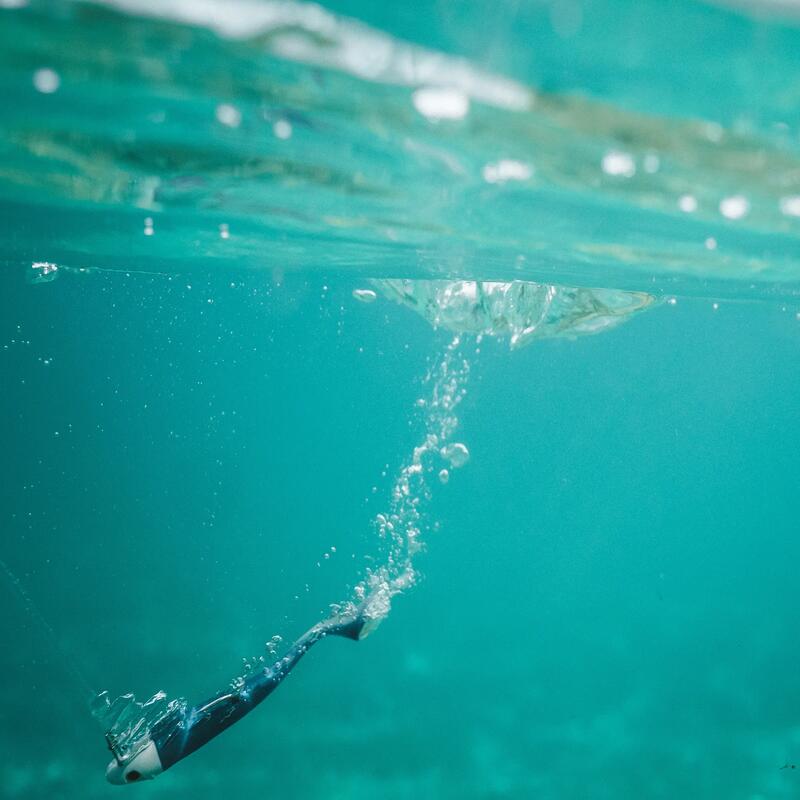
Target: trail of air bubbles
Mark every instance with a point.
(401, 525)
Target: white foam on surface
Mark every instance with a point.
(310, 34)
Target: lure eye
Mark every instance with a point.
(133, 776)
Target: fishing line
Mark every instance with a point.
(68, 660)
(46, 272)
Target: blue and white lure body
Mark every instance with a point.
(177, 736)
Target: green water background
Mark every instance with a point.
(608, 610)
(609, 605)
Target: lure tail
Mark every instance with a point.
(355, 625)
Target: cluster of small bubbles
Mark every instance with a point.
(228, 115)
(272, 645)
(148, 226)
(237, 683)
(224, 231)
(282, 129)
(46, 80)
(384, 525)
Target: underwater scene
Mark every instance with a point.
(444, 354)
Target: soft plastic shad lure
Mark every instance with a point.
(175, 737)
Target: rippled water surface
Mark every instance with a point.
(486, 315)
(574, 143)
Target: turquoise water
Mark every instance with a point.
(256, 254)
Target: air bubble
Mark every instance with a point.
(228, 115)
(619, 164)
(282, 129)
(46, 80)
(441, 102)
(444, 476)
(456, 453)
(734, 207)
